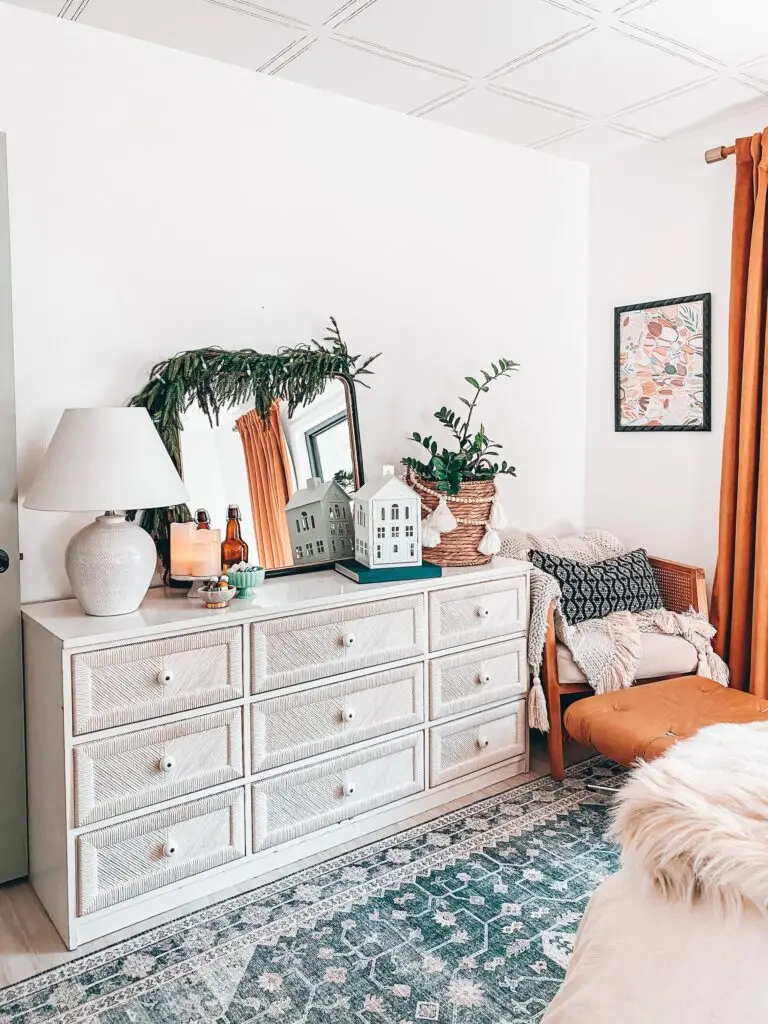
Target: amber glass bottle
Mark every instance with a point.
(203, 519)
(233, 547)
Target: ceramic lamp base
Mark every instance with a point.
(110, 564)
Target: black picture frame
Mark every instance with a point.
(705, 298)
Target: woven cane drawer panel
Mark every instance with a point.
(461, 682)
(304, 724)
(122, 861)
(308, 647)
(130, 684)
(299, 802)
(463, 615)
(142, 768)
(468, 744)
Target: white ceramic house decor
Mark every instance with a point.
(387, 522)
(107, 459)
(320, 523)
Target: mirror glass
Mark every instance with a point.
(291, 478)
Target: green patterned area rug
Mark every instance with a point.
(469, 919)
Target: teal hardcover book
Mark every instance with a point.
(387, 574)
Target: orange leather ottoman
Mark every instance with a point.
(644, 720)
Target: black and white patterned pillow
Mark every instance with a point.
(622, 584)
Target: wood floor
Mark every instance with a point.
(30, 944)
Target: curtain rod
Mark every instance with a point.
(713, 156)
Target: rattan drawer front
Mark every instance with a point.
(463, 615)
(469, 744)
(303, 801)
(304, 724)
(461, 682)
(130, 684)
(308, 647)
(122, 861)
(142, 768)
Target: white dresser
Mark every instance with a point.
(175, 752)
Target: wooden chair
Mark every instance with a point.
(681, 586)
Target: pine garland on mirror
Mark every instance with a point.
(215, 379)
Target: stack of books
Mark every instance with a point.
(387, 574)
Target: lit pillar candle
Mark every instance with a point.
(182, 539)
(206, 553)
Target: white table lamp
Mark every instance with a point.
(101, 460)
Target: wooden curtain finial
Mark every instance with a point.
(718, 153)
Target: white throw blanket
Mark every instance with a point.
(606, 650)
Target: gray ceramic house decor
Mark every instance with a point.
(320, 523)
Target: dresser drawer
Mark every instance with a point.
(460, 682)
(142, 768)
(130, 684)
(122, 861)
(307, 647)
(303, 801)
(463, 615)
(469, 744)
(301, 725)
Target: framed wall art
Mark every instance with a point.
(662, 364)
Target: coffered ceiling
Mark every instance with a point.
(579, 78)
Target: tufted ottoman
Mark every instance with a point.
(644, 720)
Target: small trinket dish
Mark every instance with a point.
(216, 593)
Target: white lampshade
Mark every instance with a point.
(102, 459)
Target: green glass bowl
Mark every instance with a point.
(246, 582)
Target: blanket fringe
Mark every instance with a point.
(627, 651)
(538, 717)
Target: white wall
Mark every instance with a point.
(660, 226)
(161, 201)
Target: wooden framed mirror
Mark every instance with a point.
(277, 436)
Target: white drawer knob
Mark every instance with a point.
(483, 611)
(167, 763)
(482, 741)
(483, 676)
(348, 714)
(349, 789)
(165, 676)
(349, 640)
(170, 848)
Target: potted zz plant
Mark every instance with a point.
(457, 485)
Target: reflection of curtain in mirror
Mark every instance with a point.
(269, 483)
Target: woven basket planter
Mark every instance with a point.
(459, 547)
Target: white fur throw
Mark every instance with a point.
(694, 822)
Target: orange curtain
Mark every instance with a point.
(269, 482)
(740, 594)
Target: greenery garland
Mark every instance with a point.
(217, 379)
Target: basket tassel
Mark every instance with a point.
(441, 517)
(498, 518)
(490, 543)
(537, 707)
(430, 537)
(440, 520)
